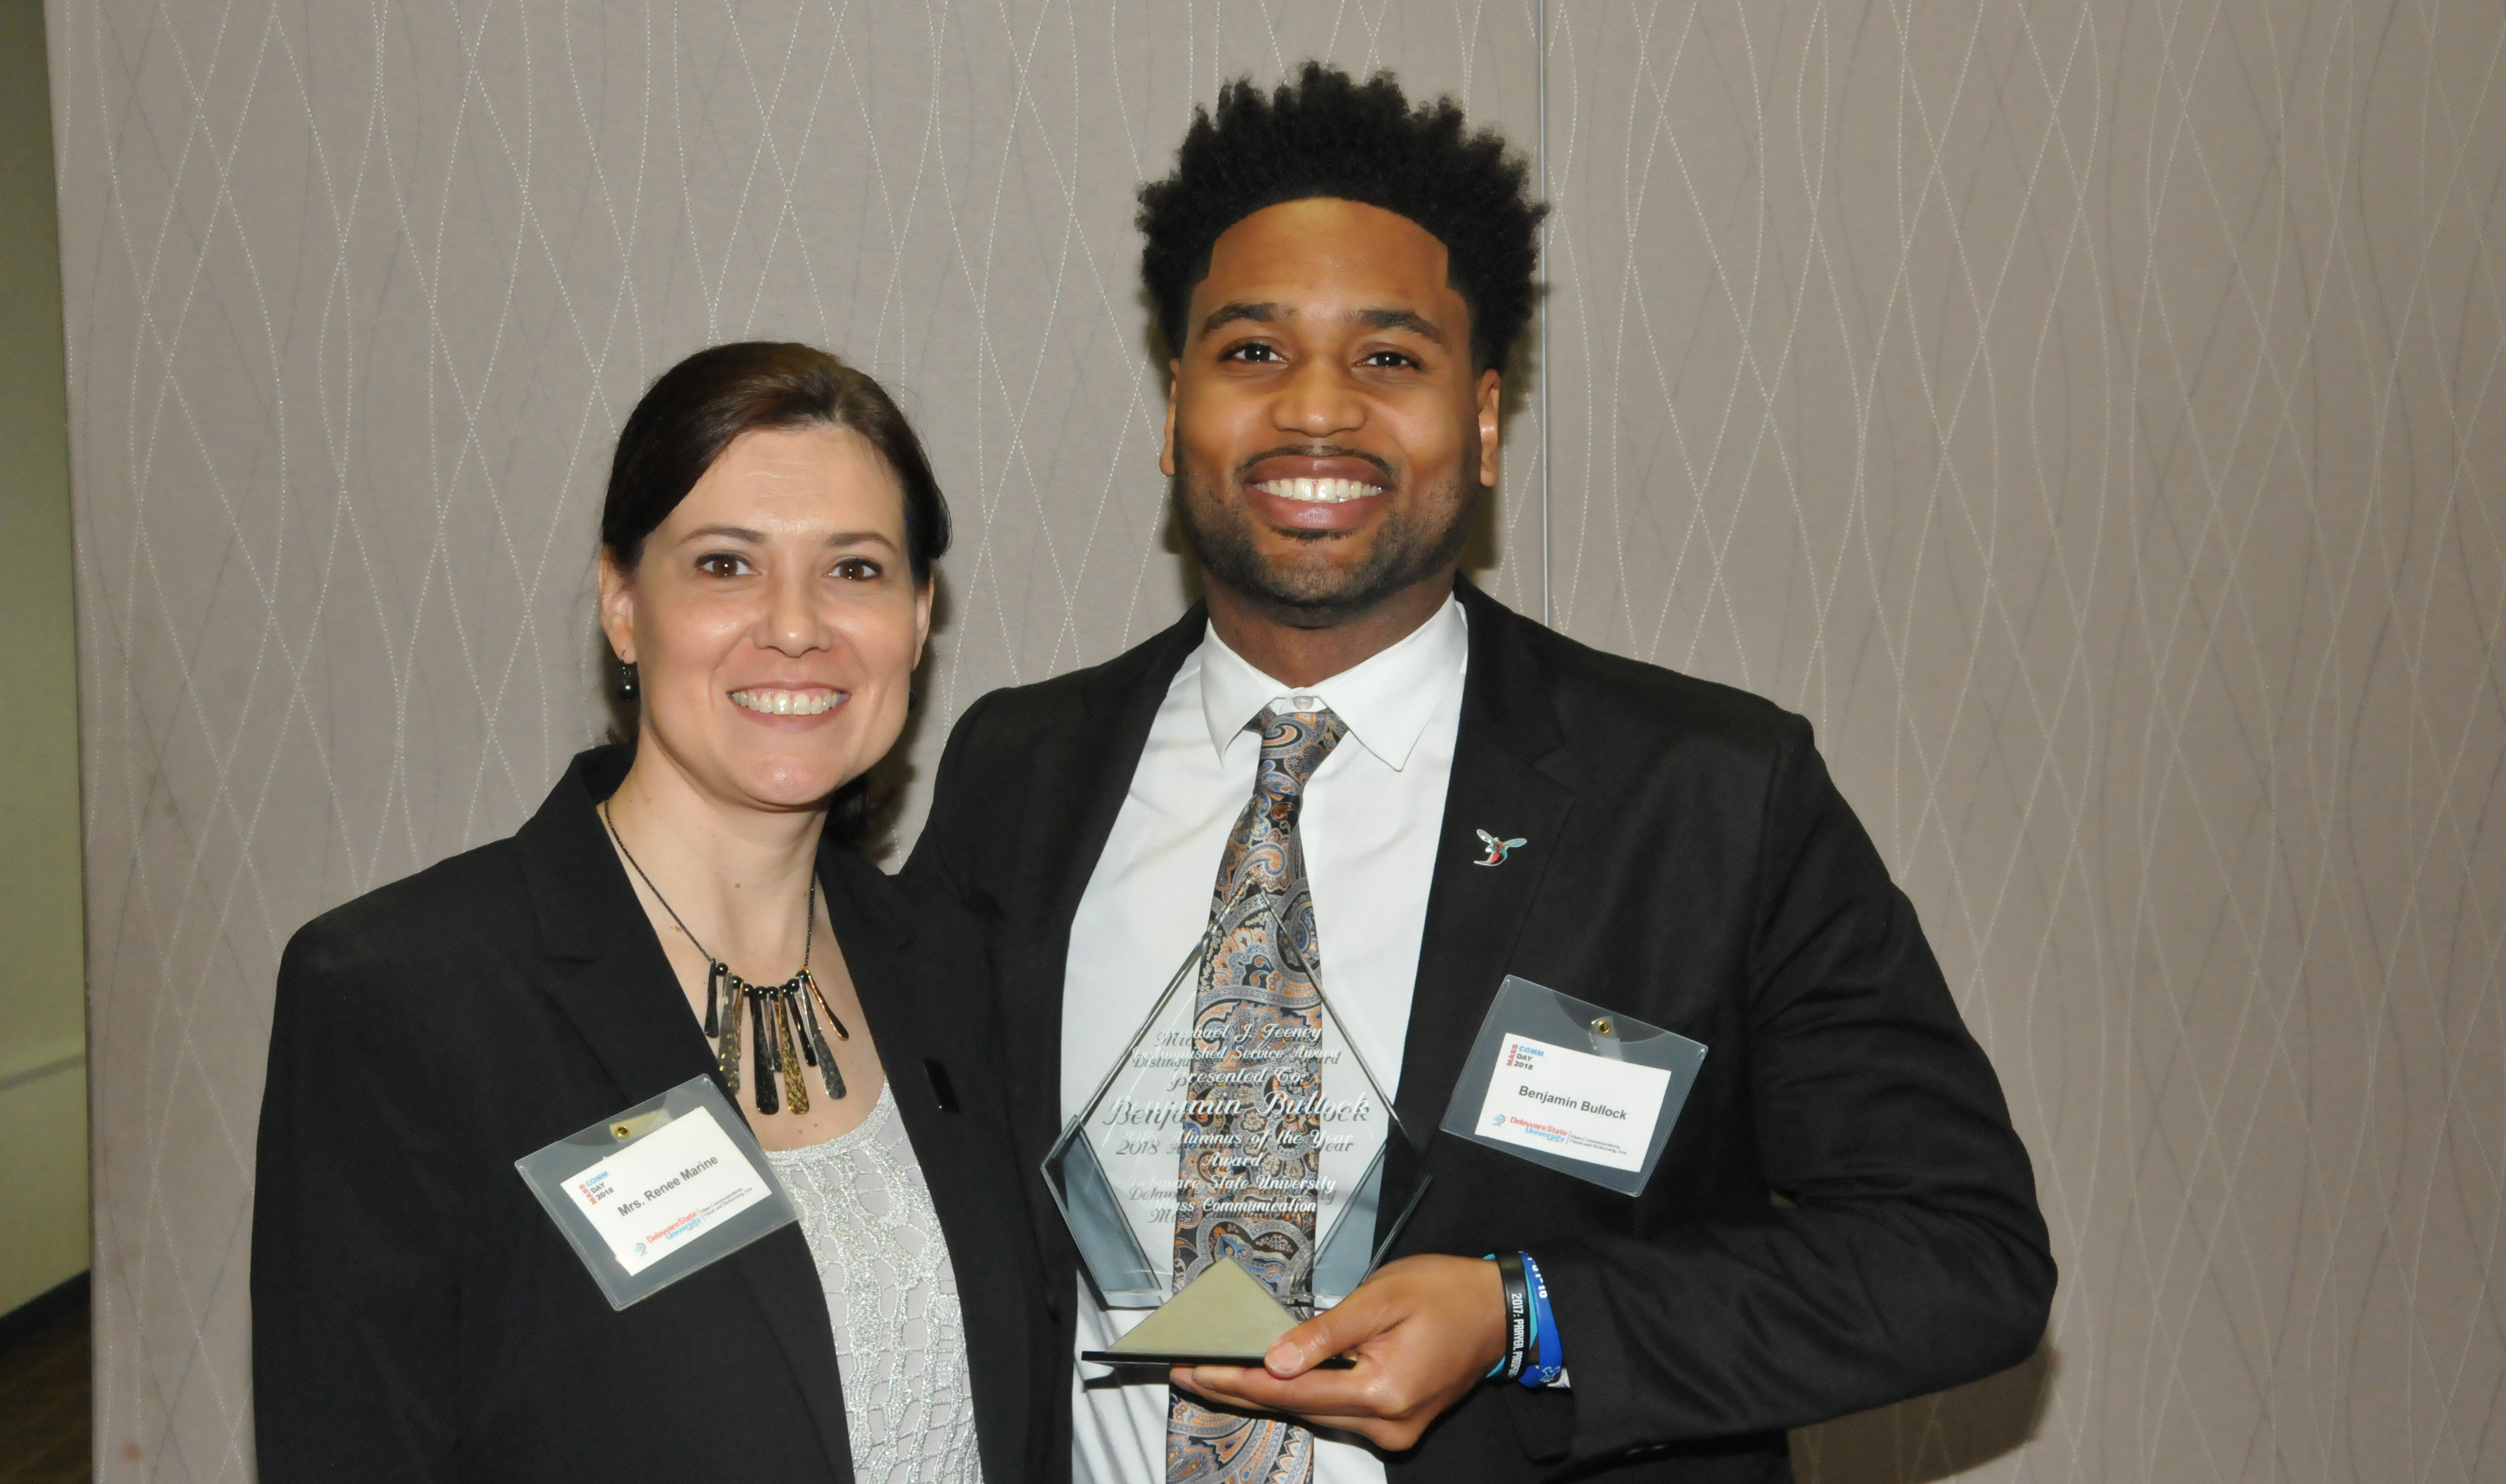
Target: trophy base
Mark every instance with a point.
(1224, 1317)
(1161, 1361)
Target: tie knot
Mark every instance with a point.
(1295, 743)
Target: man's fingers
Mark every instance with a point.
(1334, 1331)
(1242, 1386)
(1422, 1333)
(1256, 1390)
(1316, 1395)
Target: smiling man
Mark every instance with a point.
(1433, 795)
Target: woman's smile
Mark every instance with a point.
(804, 702)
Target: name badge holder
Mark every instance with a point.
(651, 1194)
(1572, 1087)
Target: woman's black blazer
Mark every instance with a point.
(416, 1316)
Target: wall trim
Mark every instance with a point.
(42, 1309)
(42, 1065)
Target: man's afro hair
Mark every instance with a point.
(1326, 134)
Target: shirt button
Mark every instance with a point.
(1305, 702)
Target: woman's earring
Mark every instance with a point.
(626, 679)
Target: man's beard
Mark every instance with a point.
(1410, 547)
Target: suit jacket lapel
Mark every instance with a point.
(1078, 795)
(623, 999)
(795, 1307)
(874, 939)
(628, 1006)
(1475, 913)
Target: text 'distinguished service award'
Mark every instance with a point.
(1238, 1169)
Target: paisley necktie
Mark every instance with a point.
(1256, 996)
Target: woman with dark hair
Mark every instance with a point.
(683, 911)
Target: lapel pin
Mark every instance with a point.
(1497, 849)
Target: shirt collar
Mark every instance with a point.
(1386, 701)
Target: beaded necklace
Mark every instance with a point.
(783, 1018)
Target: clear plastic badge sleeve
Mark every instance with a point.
(1570, 1085)
(652, 1194)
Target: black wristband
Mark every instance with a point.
(1518, 1316)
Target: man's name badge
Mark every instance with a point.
(652, 1194)
(1566, 1084)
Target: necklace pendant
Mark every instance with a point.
(715, 969)
(833, 1018)
(805, 1020)
(727, 1050)
(816, 1039)
(796, 1089)
(766, 1101)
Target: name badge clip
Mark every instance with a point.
(1572, 1087)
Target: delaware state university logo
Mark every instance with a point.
(1496, 849)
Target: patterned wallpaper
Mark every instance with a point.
(2094, 418)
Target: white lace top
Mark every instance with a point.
(900, 1336)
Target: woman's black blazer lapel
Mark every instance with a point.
(606, 970)
(927, 1001)
(604, 967)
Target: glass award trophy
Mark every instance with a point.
(1236, 1170)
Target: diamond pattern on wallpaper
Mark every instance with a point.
(2090, 416)
(358, 295)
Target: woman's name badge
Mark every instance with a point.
(652, 1194)
(665, 1190)
(1570, 1085)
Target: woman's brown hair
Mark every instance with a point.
(700, 405)
(696, 409)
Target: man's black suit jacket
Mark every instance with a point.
(416, 1316)
(1844, 1215)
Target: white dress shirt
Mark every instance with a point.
(1372, 815)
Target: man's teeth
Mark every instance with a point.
(789, 703)
(1319, 491)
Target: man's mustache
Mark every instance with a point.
(1315, 451)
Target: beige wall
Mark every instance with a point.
(2094, 418)
(43, 979)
